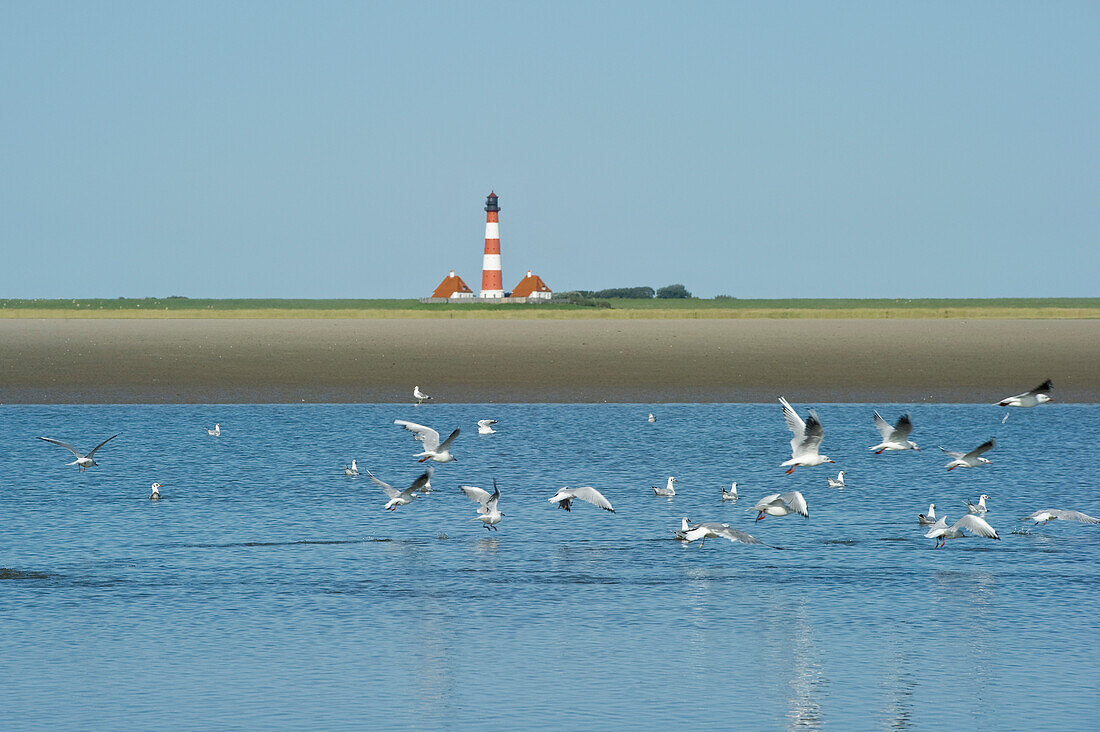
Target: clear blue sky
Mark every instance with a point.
(345, 149)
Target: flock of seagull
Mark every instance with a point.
(807, 435)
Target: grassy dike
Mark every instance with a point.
(723, 308)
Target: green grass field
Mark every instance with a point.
(1086, 307)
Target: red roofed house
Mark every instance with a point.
(452, 286)
(532, 287)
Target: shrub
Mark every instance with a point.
(673, 291)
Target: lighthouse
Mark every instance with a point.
(492, 283)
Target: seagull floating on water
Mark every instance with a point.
(807, 438)
(405, 497)
(487, 510)
(668, 490)
(971, 459)
(485, 426)
(781, 505)
(837, 482)
(978, 509)
(731, 494)
(896, 437)
(216, 432)
(84, 461)
(352, 471)
(419, 396)
(966, 526)
(155, 495)
(652, 418)
(1057, 514)
(928, 519)
(690, 532)
(1038, 395)
(564, 497)
(433, 449)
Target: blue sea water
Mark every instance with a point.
(268, 590)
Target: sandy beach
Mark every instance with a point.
(262, 361)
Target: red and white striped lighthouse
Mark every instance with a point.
(492, 283)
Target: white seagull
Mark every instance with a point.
(781, 505)
(690, 532)
(433, 449)
(485, 426)
(1038, 395)
(488, 513)
(352, 470)
(731, 494)
(967, 525)
(564, 497)
(652, 418)
(405, 497)
(668, 490)
(838, 482)
(971, 459)
(807, 439)
(1053, 514)
(928, 519)
(84, 461)
(155, 495)
(419, 396)
(978, 509)
(896, 437)
(216, 432)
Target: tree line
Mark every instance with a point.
(634, 293)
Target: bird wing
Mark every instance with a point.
(1073, 516)
(815, 433)
(974, 524)
(937, 528)
(984, 447)
(486, 422)
(902, 428)
(561, 495)
(734, 535)
(699, 531)
(794, 424)
(491, 504)
(765, 502)
(101, 444)
(593, 496)
(952, 453)
(883, 427)
(449, 440)
(427, 435)
(479, 495)
(389, 489)
(67, 446)
(420, 482)
(1043, 388)
(797, 503)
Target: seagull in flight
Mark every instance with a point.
(1057, 514)
(668, 491)
(419, 396)
(1038, 395)
(433, 448)
(690, 532)
(928, 519)
(485, 426)
(971, 459)
(781, 505)
(405, 497)
(488, 513)
(837, 482)
(807, 438)
(84, 461)
(216, 432)
(564, 498)
(896, 437)
(968, 525)
(731, 494)
(978, 509)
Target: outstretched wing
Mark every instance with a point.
(593, 496)
(102, 444)
(389, 489)
(811, 442)
(794, 424)
(480, 495)
(486, 422)
(1073, 516)
(903, 427)
(765, 502)
(427, 435)
(725, 532)
(974, 524)
(491, 504)
(883, 427)
(984, 447)
(420, 482)
(65, 445)
(797, 503)
(447, 443)
(1043, 388)
(952, 453)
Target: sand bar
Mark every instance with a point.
(279, 360)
